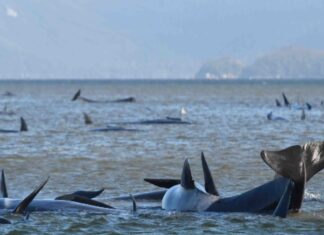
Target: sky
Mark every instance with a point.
(147, 38)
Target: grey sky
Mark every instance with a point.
(152, 38)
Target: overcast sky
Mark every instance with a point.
(151, 38)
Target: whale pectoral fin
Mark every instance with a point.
(287, 162)
(83, 200)
(186, 177)
(209, 182)
(3, 186)
(298, 192)
(23, 124)
(22, 206)
(163, 183)
(77, 94)
(283, 205)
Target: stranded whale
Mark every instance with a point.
(191, 196)
(23, 127)
(78, 96)
(294, 167)
(166, 120)
(107, 128)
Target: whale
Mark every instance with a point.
(294, 166)
(23, 128)
(295, 106)
(73, 202)
(20, 207)
(271, 117)
(77, 96)
(107, 128)
(189, 195)
(159, 121)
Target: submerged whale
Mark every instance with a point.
(107, 128)
(162, 121)
(78, 96)
(23, 127)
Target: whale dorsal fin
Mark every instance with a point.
(278, 103)
(3, 187)
(163, 183)
(285, 99)
(287, 162)
(309, 107)
(22, 206)
(209, 182)
(23, 124)
(186, 177)
(77, 94)
(87, 119)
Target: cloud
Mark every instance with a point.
(12, 13)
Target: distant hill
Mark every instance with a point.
(295, 63)
(225, 68)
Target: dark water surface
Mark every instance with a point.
(229, 125)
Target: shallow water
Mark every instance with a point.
(229, 125)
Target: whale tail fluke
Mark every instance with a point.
(22, 206)
(3, 186)
(186, 177)
(209, 182)
(87, 119)
(77, 94)
(286, 162)
(290, 163)
(23, 124)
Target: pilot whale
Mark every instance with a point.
(159, 121)
(74, 202)
(294, 166)
(107, 128)
(23, 127)
(189, 195)
(77, 96)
